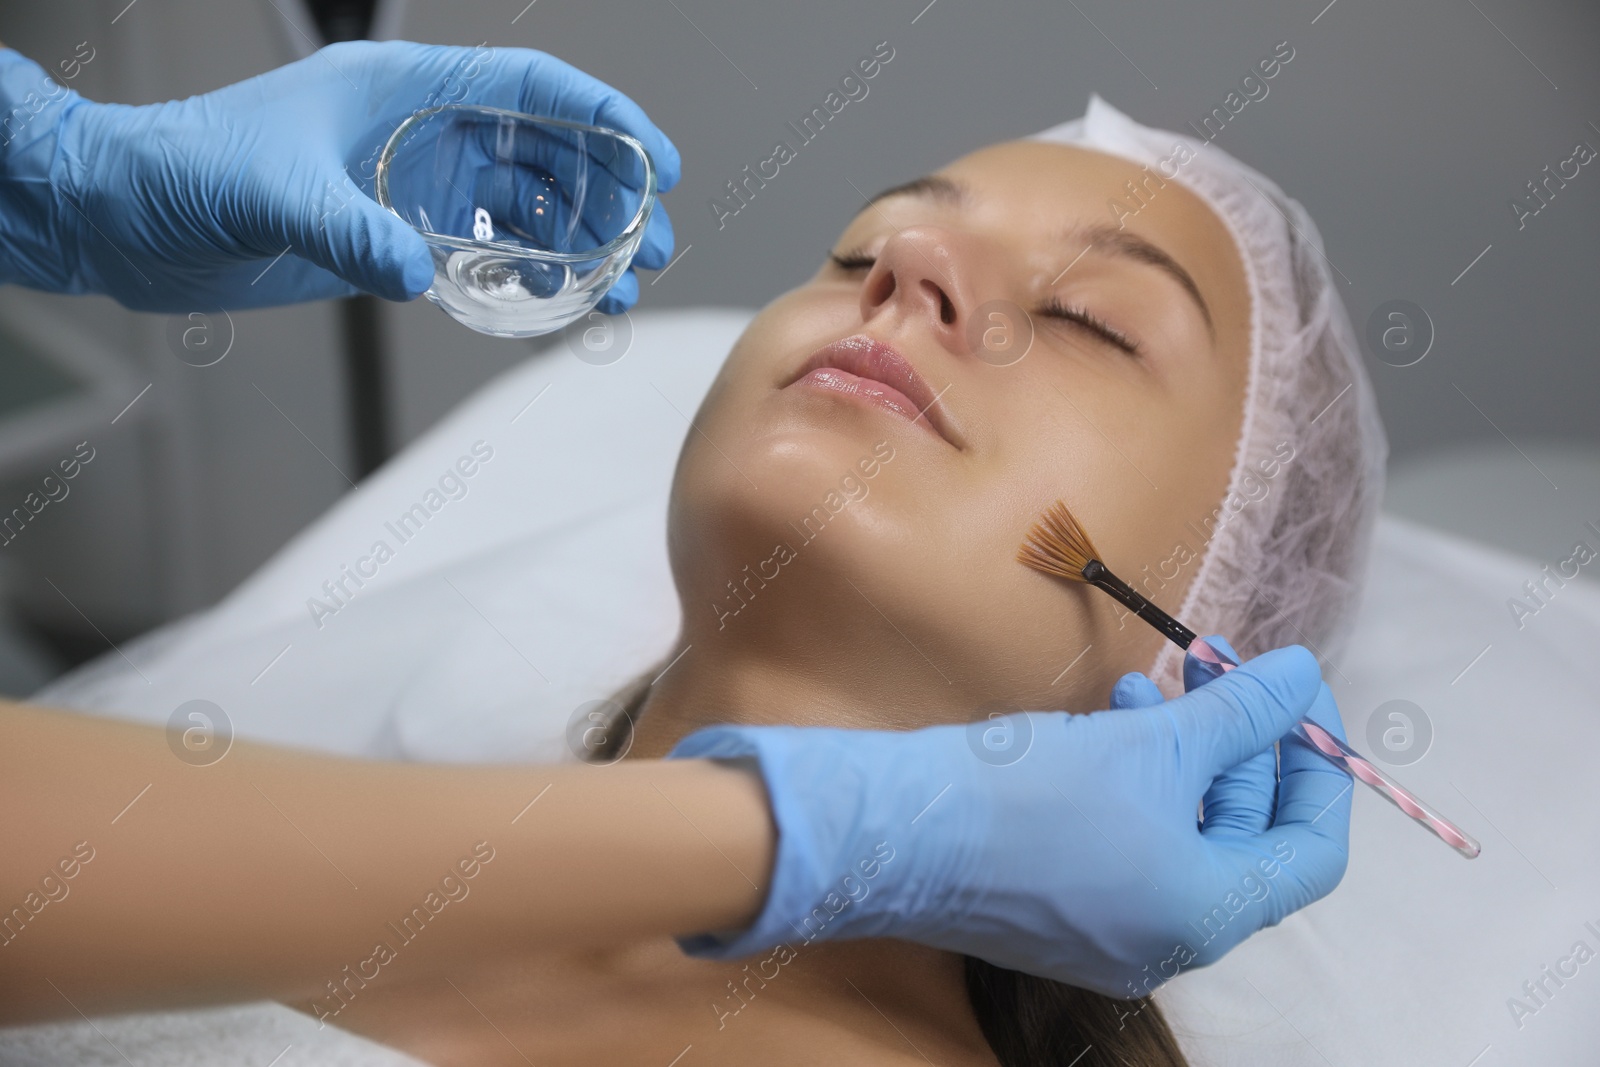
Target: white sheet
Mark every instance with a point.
(243, 1035)
(546, 586)
(1414, 958)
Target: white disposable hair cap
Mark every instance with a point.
(1287, 549)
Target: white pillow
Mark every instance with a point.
(498, 615)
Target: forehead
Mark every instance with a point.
(1044, 187)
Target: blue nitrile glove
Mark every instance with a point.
(1066, 846)
(1243, 798)
(185, 205)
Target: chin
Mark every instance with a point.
(804, 502)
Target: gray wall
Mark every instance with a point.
(1404, 129)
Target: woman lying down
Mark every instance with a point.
(1105, 314)
(844, 528)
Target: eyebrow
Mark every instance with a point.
(933, 186)
(1101, 237)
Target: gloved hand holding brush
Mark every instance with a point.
(1063, 845)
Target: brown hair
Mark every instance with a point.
(1028, 1021)
(1036, 1022)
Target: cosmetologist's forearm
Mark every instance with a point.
(132, 879)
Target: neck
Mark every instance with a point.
(699, 689)
(702, 689)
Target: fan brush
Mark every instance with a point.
(1057, 545)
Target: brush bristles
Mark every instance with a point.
(1057, 545)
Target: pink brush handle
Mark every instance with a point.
(1340, 754)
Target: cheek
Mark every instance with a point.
(1034, 626)
(1188, 455)
(1141, 471)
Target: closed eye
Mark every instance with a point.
(851, 260)
(1053, 308)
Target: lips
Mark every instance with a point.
(866, 369)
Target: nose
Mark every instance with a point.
(923, 276)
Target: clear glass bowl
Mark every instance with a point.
(530, 220)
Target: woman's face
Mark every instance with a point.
(856, 512)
